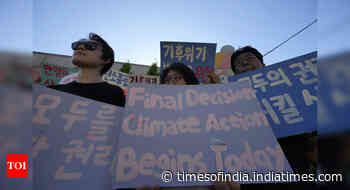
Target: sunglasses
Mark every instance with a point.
(89, 45)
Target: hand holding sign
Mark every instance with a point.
(212, 78)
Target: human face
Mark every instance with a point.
(88, 54)
(247, 62)
(174, 78)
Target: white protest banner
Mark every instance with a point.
(73, 139)
(179, 130)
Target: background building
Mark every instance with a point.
(66, 61)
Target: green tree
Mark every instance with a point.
(153, 70)
(125, 68)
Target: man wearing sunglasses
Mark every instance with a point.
(94, 57)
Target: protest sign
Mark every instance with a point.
(15, 134)
(52, 74)
(123, 80)
(73, 140)
(287, 91)
(194, 128)
(117, 78)
(200, 57)
(144, 79)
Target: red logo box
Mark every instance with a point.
(17, 165)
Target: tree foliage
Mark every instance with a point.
(153, 70)
(125, 68)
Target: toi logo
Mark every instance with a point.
(17, 165)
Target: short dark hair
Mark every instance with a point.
(244, 50)
(107, 52)
(182, 69)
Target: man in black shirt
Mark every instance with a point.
(296, 147)
(94, 57)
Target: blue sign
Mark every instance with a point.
(74, 140)
(200, 57)
(287, 91)
(171, 132)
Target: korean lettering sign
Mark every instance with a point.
(73, 140)
(117, 78)
(287, 92)
(145, 79)
(52, 74)
(200, 57)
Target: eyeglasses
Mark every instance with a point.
(89, 45)
(172, 78)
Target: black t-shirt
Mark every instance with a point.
(102, 92)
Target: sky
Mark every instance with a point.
(333, 28)
(134, 29)
(16, 26)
